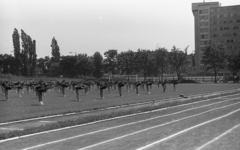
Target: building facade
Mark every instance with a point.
(221, 24)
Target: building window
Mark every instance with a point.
(214, 29)
(235, 27)
(220, 16)
(230, 41)
(227, 34)
(203, 30)
(225, 15)
(204, 17)
(226, 28)
(214, 22)
(203, 43)
(203, 11)
(203, 23)
(204, 36)
(234, 34)
(214, 16)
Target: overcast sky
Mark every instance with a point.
(87, 26)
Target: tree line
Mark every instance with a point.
(146, 62)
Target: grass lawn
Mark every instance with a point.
(28, 106)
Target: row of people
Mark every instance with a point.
(41, 87)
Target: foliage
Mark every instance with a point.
(126, 62)
(145, 62)
(161, 56)
(16, 49)
(28, 55)
(55, 50)
(234, 63)
(44, 64)
(84, 65)
(98, 66)
(67, 68)
(110, 62)
(214, 57)
(7, 63)
(178, 61)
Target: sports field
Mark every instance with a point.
(27, 106)
(209, 124)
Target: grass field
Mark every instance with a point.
(28, 106)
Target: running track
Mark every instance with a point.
(207, 125)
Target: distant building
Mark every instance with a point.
(212, 21)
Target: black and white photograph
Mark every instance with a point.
(119, 75)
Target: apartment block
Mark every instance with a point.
(212, 21)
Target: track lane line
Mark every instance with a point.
(178, 133)
(218, 137)
(70, 127)
(77, 136)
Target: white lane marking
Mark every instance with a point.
(157, 142)
(193, 127)
(70, 127)
(218, 137)
(73, 113)
(11, 129)
(77, 136)
(46, 121)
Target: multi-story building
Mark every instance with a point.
(212, 21)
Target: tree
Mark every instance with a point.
(161, 56)
(110, 63)
(44, 64)
(234, 63)
(67, 67)
(16, 49)
(1, 63)
(126, 62)
(84, 65)
(32, 59)
(145, 62)
(214, 57)
(55, 50)
(178, 61)
(98, 66)
(7, 63)
(28, 55)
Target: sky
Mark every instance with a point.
(89, 26)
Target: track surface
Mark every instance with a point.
(205, 125)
